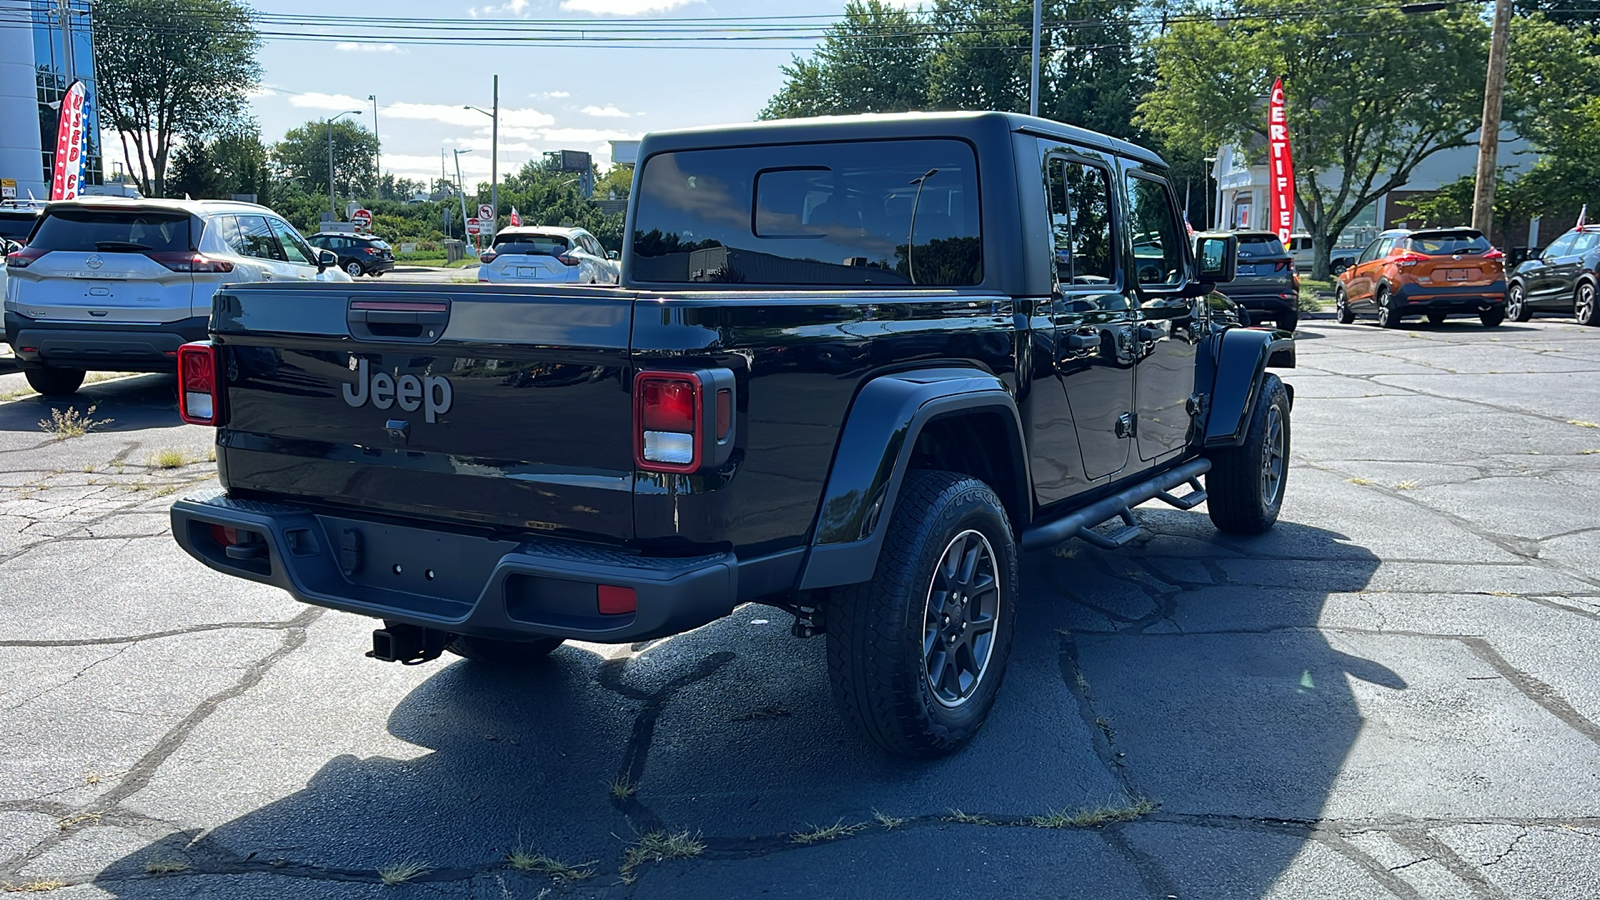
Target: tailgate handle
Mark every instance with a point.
(398, 320)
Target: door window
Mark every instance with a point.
(1080, 223)
(1157, 237)
(295, 248)
(255, 239)
(1585, 242)
(1561, 246)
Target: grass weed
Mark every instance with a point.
(657, 846)
(71, 423)
(401, 872)
(827, 833)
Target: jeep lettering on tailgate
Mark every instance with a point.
(409, 392)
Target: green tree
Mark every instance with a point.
(874, 60)
(302, 157)
(1554, 91)
(1365, 106)
(234, 162)
(168, 68)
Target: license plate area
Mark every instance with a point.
(412, 560)
(528, 271)
(1457, 274)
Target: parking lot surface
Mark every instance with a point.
(1395, 693)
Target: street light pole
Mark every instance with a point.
(494, 154)
(352, 112)
(377, 154)
(1489, 134)
(1033, 88)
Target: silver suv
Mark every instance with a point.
(107, 284)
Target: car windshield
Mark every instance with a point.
(1444, 243)
(1252, 245)
(16, 225)
(113, 231)
(531, 244)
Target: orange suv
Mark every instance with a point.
(1435, 272)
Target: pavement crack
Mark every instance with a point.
(1534, 689)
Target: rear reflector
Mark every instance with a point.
(199, 395)
(617, 601)
(224, 536)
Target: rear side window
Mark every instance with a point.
(1445, 243)
(113, 231)
(1260, 245)
(531, 244)
(1080, 222)
(880, 213)
(16, 226)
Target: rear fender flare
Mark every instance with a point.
(1240, 359)
(874, 453)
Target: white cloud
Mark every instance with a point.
(260, 90)
(517, 8)
(467, 118)
(571, 136)
(325, 101)
(556, 94)
(608, 111)
(524, 118)
(622, 7)
(359, 47)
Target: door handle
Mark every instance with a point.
(1078, 340)
(1149, 334)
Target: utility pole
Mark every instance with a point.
(494, 160)
(1033, 87)
(377, 155)
(461, 192)
(1489, 134)
(332, 212)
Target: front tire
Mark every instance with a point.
(353, 269)
(1244, 489)
(1517, 303)
(1584, 307)
(1341, 308)
(1388, 316)
(917, 654)
(53, 382)
(504, 654)
(1436, 319)
(1492, 317)
(1287, 321)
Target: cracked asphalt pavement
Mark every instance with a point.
(1394, 694)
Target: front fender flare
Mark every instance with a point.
(874, 453)
(1240, 358)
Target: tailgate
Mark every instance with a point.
(467, 404)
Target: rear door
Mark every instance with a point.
(109, 265)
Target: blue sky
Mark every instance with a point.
(551, 98)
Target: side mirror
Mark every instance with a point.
(1216, 259)
(612, 254)
(326, 259)
(1535, 253)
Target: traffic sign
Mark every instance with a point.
(361, 219)
(485, 213)
(472, 226)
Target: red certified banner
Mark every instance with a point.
(68, 171)
(1280, 166)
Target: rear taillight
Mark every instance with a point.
(199, 388)
(487, 257)
(683, 421)
(1409, 259)
(24, 257)
(1282, 264)
(1494, 254)
(568, 259)
(191, 262)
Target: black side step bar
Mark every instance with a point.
(1081, 524)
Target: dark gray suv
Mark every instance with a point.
(1265, 282)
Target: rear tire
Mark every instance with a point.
(1435, 319)
(1244, 489)
(1341, 308)
(1288, 321)
(1517, 303)
(1492, 317)
(917, 654)
(1584, 307)
(507, 654)
(53, 382)
(1388, 316)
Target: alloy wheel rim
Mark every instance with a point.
(1585, 303)
(1514, 302)
(1383, 309)
(960, 617)
(1272, 457)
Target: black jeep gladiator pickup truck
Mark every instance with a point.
(854, 364)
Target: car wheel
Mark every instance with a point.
(1341, 308)
(1584, 308)
(917, 654)
(1517, 303)
(1435, 318)
(501, 653)
(1492, 316)
(1388, 316)
(377, 273)
(54, 382)
(1244, 489)
(353, 269)
(1287, 321)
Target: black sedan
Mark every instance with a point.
(359, 254)
(1561, 278)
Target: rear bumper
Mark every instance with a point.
(377, 266)
(1445, 298)
(459, 583)
(492, 276)
(113, 347)
(1276, 301)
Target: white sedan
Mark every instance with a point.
(527, 254)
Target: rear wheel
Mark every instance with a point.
(1584, 308)
(1244, 489)
(501, 653)
(1287, 321)
(1436, 318)
(1492, 316)
(1388, 316)
(1341, 308)
(54, 382)
(1517, 303)
(353, 269)
(916, 655)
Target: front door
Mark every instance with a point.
(1363, 275)
(1166, 333)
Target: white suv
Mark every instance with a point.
(108, 284)
(531, 254)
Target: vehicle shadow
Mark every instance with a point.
(1187, 669)
(130, 404)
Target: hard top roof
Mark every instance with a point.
(193, 207)
(886, 125)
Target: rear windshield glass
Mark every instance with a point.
(381, 245)
(112, 231)
(1441, 243)
(530, 244)
(15, 225)
(880, 213)
(1251, 245)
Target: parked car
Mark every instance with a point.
(1437, 272)
(1265, 283)
(359, 254)
(108, 284)
(527, 254)
(17, 219)
(1301, 251)
(1562, 277)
